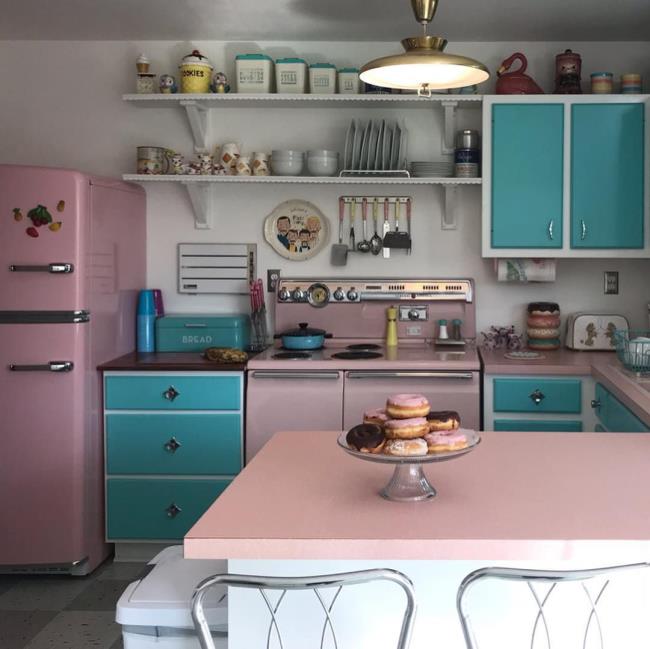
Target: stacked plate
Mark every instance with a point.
(376, 145)
(435, 169)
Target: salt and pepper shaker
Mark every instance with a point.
(391, 326)
(455, 329)
(443, 334)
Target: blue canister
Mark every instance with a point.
(467, 156)
(146, 319)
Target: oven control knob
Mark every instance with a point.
(284, 295)
(298, 294)
(414, 314)
(352, 295)
(339, 294)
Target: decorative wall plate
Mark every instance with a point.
(296, 230)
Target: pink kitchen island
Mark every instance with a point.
(545, 500)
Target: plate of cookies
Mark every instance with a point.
(407, 432)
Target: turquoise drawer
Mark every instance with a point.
(144, 509)
(173, 392)
(616, 417)
(538, 395)
(174, 443)
(541, 425)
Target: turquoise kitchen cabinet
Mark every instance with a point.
(607, 175)
(614, 416)
(527, 175)
(540, 394)
(173, 442)
(539, 425)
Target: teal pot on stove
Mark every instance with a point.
(304, 338)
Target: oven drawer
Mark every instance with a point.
(457, 390)
(538, 395)
(174, 443)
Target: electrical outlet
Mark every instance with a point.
(611, 282)
(272, 277)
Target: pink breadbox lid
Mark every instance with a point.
(452, 437)
(404, 423)
(408, 400)
(379, 413)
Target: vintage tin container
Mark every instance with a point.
(254, 73)
(348, 81)
(322, 79)
(601, 83)
(145, 83)
(631, 84)
(196, 73)
(194, 332)
(152, 160)
(291, 75)
(568, 69)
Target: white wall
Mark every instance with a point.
(61, 105)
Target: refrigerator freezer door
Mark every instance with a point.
(44, 223)
(43, 441)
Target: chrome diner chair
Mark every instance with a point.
(315, 583)
(581, 614)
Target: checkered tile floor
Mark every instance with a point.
(59, 612)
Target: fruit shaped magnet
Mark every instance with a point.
(60, 206)
(18, 215)
(39, 216)
(32, 232)
(56, 226)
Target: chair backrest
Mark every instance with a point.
(315, 583)
(589, 585)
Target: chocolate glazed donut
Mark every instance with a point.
(438, 420)
(367, 438)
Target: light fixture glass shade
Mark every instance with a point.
(424, 67)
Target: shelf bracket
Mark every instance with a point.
(448, 143)
(201, 199)
(197, 116)
(449, 217)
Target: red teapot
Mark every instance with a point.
(516, 83)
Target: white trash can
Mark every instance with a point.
(155, 611)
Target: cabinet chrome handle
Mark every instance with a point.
(56, 268)
(173, 510)
(595, 403)
(550, 229)
(171, 393)
(538, 396)
(52, 366)
(583, 230)
(172, 445)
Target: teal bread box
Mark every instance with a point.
(194, 332)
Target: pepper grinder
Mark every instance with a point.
(391, 326)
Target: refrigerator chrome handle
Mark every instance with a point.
(379, 374)
(52, 366)
(61, 268)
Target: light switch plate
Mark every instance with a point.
(611, 282)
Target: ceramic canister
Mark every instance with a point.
(152, 160)
(196, 73)
(601, 83)
(243, 166)
(630, 84)
(229, 156)
(260, 164)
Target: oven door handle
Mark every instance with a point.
(410, 375)
(258, 374)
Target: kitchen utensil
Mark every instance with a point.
(353, 211)
(375, 242)
(364, 246)
(303, 338)
(385, 229)
(339, 254)
(262, 303)
(257, 334)
(397, 239)
(408, 223)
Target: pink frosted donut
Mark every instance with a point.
(405, 447)
(405, 406)
(406, 428)
(449, 441)
(378, 417)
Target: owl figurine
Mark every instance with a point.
(167, 84)
(219, 83)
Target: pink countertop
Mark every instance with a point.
(605, 367)
(517, 496)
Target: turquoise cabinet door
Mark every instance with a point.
(607, 175)
(527, 175)
(537, 395)
(174, 444)
(615, 416)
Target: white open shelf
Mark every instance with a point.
(200, 189)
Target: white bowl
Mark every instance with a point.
(322, 153)
(287, 166)
(286, 154)
(321, 166)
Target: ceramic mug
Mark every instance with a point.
(260, 164)
(229, 155)
(244, 166)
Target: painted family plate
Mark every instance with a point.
(296, 230)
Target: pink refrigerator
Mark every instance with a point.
(72, 258)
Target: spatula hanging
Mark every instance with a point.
(397, 239)
(339, 253)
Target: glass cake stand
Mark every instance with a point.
(408, 482)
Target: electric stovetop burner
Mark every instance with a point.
(363, 347)
(289, 356)
(356, 355)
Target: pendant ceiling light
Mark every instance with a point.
(424, 66)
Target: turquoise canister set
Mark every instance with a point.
(157, 332)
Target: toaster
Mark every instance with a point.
(593, 331)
